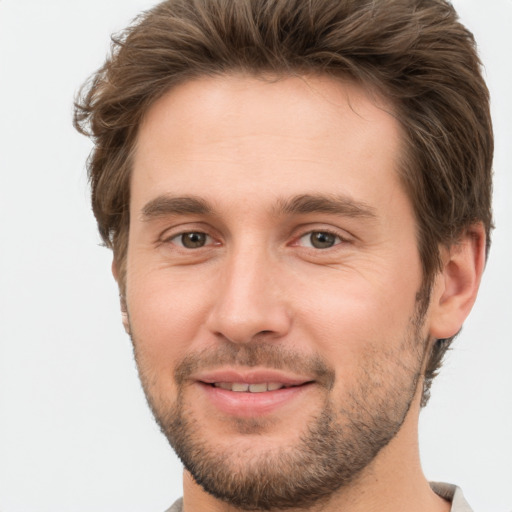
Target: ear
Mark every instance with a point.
(115, 272)
(456, 286)
(122, 300)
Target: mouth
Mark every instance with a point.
(259, 387)
(254, 393)
(251, 381)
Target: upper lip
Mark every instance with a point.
(252, 376)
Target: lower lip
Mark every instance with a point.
(247, 404)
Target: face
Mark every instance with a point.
(272, 281)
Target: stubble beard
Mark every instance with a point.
(337, 444)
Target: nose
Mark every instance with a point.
(249, 302)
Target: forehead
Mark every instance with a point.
(239, 134)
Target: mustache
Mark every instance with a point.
(267, 355)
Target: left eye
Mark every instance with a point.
(191, 240)
(319, 240)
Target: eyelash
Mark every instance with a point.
(338, 239)
(172, 239)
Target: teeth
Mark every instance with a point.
(241, 387)
(258, 388)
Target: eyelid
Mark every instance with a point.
(308, 242)
(169, 234)
(342, 235)
(179, 236)
(166, 236)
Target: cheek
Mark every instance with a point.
(166, 314)
(350, 312)
(364, 333)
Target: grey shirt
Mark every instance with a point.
(447, 491)
(451, 493)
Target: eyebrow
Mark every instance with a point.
(332, 204)
(166, 205)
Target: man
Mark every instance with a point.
(297, 195)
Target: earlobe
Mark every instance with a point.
(122, 300)
(456, 286)
(115, 273)
(124, 319)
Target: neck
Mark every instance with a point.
(394, 482)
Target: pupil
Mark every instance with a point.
(193, 240)
(322, 240)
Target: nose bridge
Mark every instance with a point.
(248, 301)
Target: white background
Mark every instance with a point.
(75, 433)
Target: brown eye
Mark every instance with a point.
(192, 240)
(320, 240)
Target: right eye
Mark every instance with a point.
(191, 240)
(320, 240)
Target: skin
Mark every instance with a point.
(245, 147)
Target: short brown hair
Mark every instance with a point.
(414, 52)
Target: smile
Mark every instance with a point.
(242, 387)
(252, 396)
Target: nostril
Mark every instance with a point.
(242, 323)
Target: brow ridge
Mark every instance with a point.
(303, 204)
(331, 204)
(165, 205)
